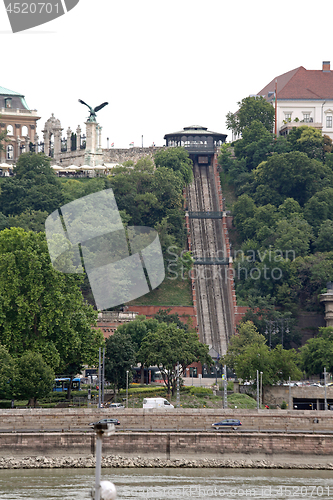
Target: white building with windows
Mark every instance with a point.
(303, 97)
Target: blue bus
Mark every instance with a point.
(61, 384)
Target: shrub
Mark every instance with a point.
(200, 391)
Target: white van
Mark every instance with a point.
(156, 403)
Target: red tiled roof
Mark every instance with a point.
(301, 83)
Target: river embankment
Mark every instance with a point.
(192, 449)
(44, 462)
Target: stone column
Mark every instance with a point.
(57, 144)
(18, 148)
(327, 298)
(78, 138)
(99, 137)
(36, 143)
(91, 133)
(46, 138)
(69, 143)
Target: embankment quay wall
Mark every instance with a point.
(178, 419)
(301, 448)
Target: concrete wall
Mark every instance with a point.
(309, 448)
(70, 419)
(276, 394)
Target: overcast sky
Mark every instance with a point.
(160, 65)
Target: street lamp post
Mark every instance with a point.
(326, 407)
(126, 388)
(260, 389)
(225, 388)
(257, 389)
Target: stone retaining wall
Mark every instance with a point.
(171, 445)
(71, 419)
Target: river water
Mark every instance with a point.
(163, 484)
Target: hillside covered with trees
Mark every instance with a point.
(282, 215)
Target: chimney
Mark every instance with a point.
(326, 66)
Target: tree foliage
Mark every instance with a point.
(41, 309)
(251, 109)
(119, 358)
(8, 374)
(176, 159)
(168, 346)
(248, 353)
(317, 353)
(35, 378)
(35, 186)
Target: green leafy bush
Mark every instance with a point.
(200, 391)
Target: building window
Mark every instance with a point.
(10, 130)
(328, 121)
(287, 117)
(306, 117)
(10, 152)
(24, 131)
(8, 103)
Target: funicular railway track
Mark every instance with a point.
(210, 280)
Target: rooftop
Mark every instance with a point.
(301, 83)
(19, 101)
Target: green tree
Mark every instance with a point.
(29, 220)
(248, 335)
(257, 143)
(308, 140)
(251, 109)
(176, 159)
(244, 211)
(267, 319)
(319, 208)
(7, 374)
(317, 353)
(293, 235)
(35, 186)
(168, 346)
(290, 175)
(35, 378)
(324, 242)
(137, 330)
(164, 316)
(249, 353)
(119, 358)
(42, 309)
(312, 272)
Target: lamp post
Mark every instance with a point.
(225, 388)
(326, 407)
(178, 393)
(257, 389)
(260, 389)
(102, 430)
(126, 388)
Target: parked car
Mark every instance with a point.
(116, 405)
(228, 422)
(114, 421)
